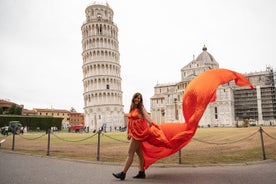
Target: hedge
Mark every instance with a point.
(32, 122)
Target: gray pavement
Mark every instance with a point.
(17, 168)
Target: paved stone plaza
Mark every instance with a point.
(19, 168)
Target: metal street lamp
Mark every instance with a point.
(176, 118)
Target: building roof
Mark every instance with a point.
(27, 111)
(77, 113)
(52, 110)
(205, 56)
(6, 103)
(158, 96)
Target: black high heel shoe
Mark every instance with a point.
(120, 175)
(140, 175)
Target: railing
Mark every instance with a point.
(261, 132)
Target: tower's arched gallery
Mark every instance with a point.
(103, 107)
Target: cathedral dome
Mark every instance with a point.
(205, 56)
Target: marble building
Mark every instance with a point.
(233, 104)
(103, 106)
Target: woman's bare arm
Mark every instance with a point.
(147, 116)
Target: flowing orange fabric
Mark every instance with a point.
(159, 141)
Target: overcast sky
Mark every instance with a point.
(40, 44)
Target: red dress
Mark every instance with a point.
(159, 141)
(138, 128)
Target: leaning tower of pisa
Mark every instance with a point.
(103, 107)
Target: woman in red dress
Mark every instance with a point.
(152, 142)
(138, 126)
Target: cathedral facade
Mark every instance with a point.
(233, 104)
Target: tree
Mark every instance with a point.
(11, 109)
(14, 109)
(1, 110)
(18, 110)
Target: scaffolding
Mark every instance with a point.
(259, 104)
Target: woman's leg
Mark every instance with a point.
(141, 158)
(133, 147)
(141, 174)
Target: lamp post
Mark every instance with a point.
(176, 118)
(95, 122)
(175, 109)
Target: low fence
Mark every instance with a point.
(99, 134)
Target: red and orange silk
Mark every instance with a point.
(159, 141)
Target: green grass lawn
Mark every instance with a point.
(209, 146)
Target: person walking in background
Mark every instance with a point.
(138, 124)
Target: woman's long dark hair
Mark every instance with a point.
(139, 106)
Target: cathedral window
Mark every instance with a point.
(216, 113)
(163, 112)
